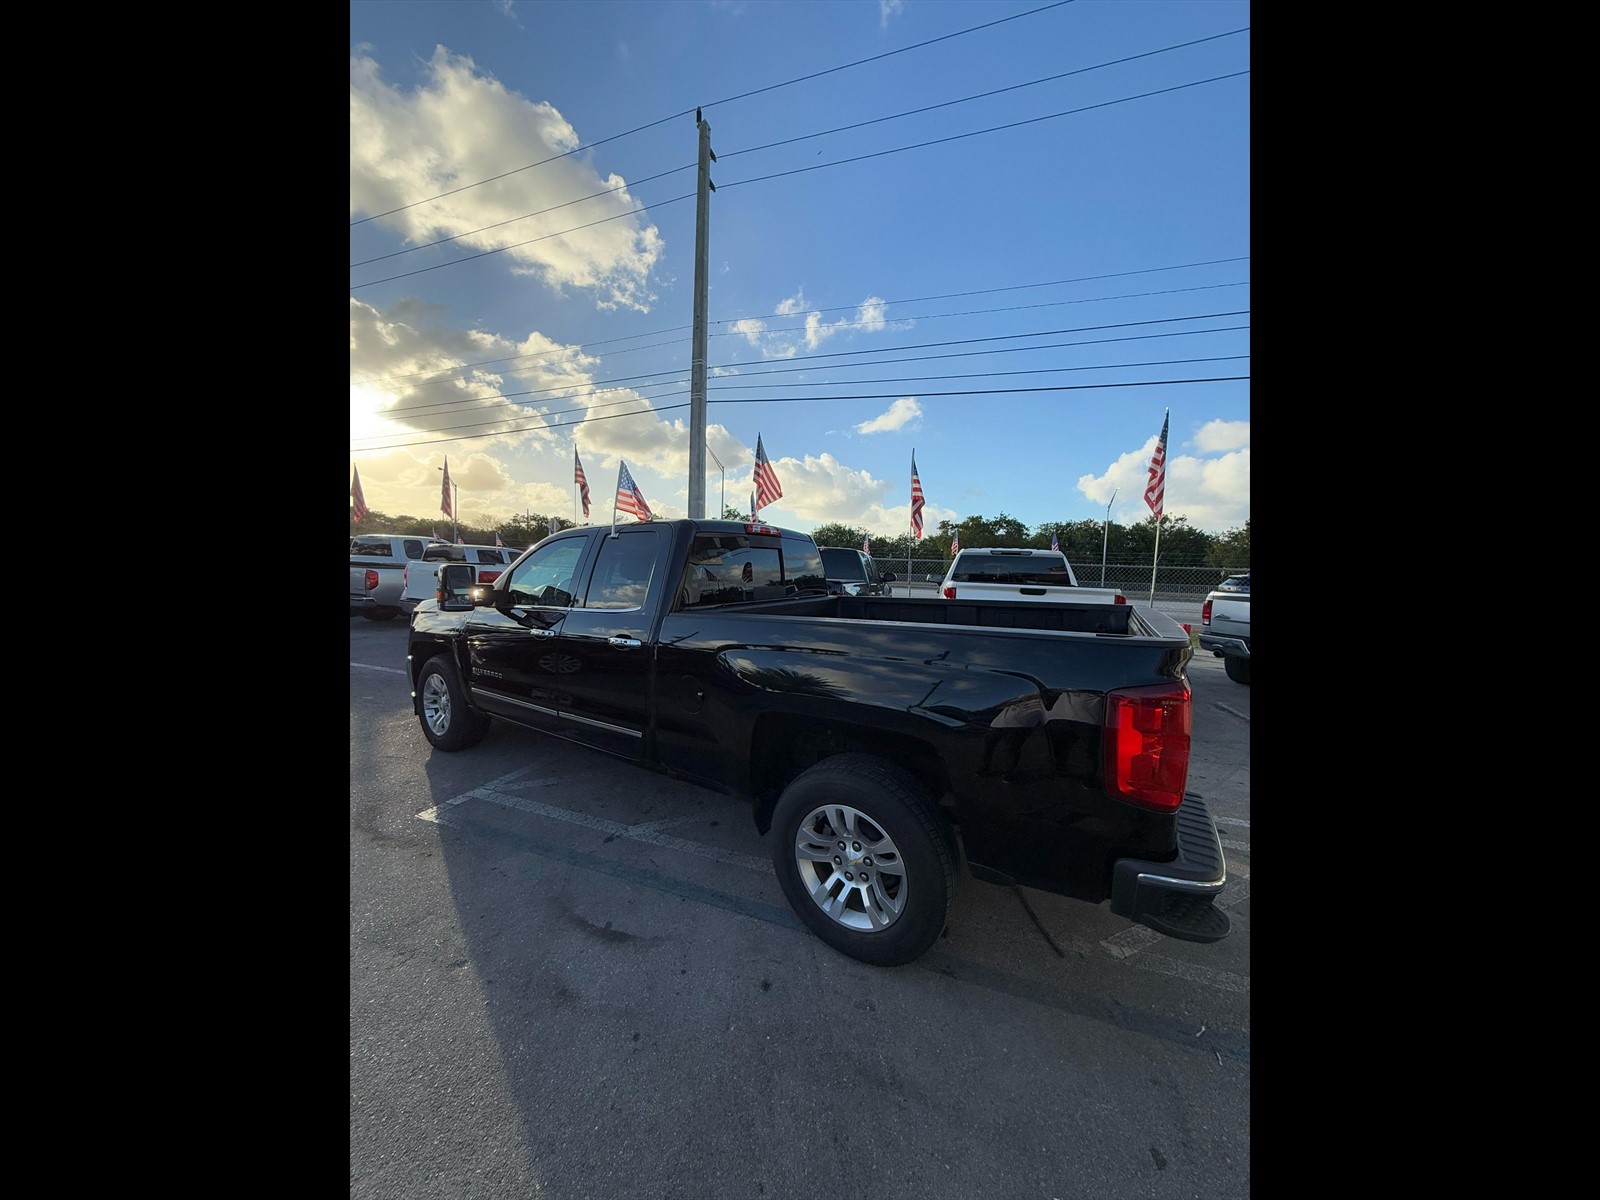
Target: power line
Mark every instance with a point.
(442, 372)
(984, 95)
(728, 100)
(817, 167)
(409, 409)
(979, 132)
(972, 312)
(525, 216)
(651, 400)
(501, 250)
(565, 387)
(1077, 387)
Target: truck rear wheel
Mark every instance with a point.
(1238, 669)
(862, 859)
(447, 722)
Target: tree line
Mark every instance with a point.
(1081, 541)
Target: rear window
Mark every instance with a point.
(1032, 570)
(382, 547)
(731, 568)
(842, 564)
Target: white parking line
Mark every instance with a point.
(633, 833)
(370, 667)
(1231, 821)
(1233, 711)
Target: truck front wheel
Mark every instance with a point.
(862, 860)
(1238, 668)
(447, 722)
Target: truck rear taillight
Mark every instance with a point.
(949, 593)
(488, 576)
(1147, 745)
(1121, 599)
(1205, 613)
(372, 581)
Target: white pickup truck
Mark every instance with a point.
(420, 579)
(377, 565)
(1225, 626)
(982, 573)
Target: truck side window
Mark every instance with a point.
(622, 571)
(413, 548)
(545, 578)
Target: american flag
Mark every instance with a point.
(768, 490)
(1055, 540)
(580, 479)
(866, 545)
(955, 542)
(358, 502)
(444, 497)
(1155, 491)
(497, 540)
(629, 498)
(916, 499)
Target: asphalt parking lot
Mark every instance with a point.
(571, 977)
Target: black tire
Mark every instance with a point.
(380, 614)
(871, 795)
(1238, 669)
(442, 709)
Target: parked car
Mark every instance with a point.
(1225, 629)
(883, 742)
(377, 571)
(1009, 573)
(852, 572)
(1234, 583)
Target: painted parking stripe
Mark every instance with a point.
(632, 833)
(370, 667)
(1231, 821)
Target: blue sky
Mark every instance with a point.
(502, 347)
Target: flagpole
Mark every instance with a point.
(614, 492)
(911, 525)
(1155, 560)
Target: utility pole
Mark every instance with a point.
(697, 356)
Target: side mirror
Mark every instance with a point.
(888, 577)
(455, 590)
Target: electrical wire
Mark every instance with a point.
(727, 100)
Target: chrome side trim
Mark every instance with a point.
(566, 716)
(505, 699)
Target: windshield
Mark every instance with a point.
(842, 564)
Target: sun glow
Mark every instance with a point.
(367, 406)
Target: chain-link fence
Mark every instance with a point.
(1174, 583)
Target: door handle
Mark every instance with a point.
(622, 643)
(545, 633)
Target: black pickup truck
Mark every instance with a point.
(881, 740)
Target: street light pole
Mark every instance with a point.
(1105, 536)
(724, 471)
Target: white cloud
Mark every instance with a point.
(461, 125)
(1211, 488)
(904, 413)
(1223, 435)
(887, 9)
(785, 341)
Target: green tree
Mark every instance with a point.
(1231, 550)
(836, 534)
